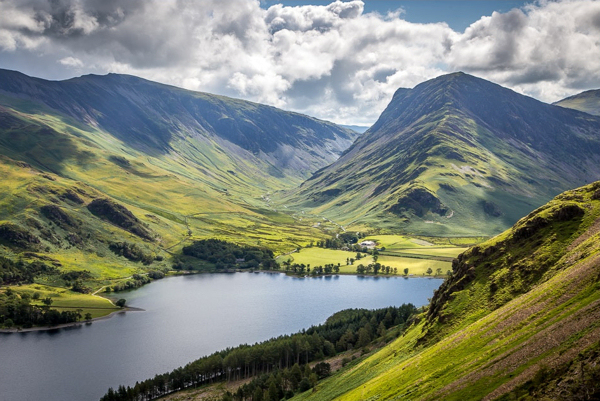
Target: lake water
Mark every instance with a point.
(185, 318)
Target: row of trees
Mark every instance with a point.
(281, 384)
(342, 331)
(136, 281)
(301, 268)
(377, 268)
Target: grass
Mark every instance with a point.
(484, 184)
(173, 197)
(417, 267)
(431, 251)
(64, 299)
(395, 242)
(319, 256)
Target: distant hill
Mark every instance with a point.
(588, 102)
(517, 320)
(358, 128)
(456, 155)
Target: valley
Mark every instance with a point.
(112, 182)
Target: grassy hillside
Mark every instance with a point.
(588, 102)
(455, 156)
(519, 319)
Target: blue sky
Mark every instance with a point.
(337, 60)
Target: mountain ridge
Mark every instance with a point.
(112, 175)
(451, 139)
(147, 116)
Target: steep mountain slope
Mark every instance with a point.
(115, 174)
(518, 319)
(214, 132)
(456, 155)
(588, 102)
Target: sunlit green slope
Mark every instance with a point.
(519, 319)
(456, 155)
(588, 101)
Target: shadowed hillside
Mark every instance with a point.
(113, 175)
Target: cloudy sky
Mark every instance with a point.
(339, 60)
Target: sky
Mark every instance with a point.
(336, 60)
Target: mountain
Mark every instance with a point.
(215, 133)
(456, 155)
(588, 102)
(115, 174)
(518, 319)
(358, 128)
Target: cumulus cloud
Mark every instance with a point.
(548, 50)
(332, 61)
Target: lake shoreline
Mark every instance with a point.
(289, 274)
(72, 324)
(192, 272)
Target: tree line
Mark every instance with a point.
(17, 310)
(344, 240)
(280, 384)
(352, 328)
(301, 268)
(12, 272)
(376, 268)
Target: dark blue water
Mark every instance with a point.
(184, 318)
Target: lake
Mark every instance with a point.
(184, 318)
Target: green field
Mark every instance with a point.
(64, 299)
(320, 256)
(395, 242)
(434, 251)
(417, 267)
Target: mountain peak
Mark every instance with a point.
(453, 152)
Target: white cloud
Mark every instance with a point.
(71, 62)
(548, 50)
(333, 61)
